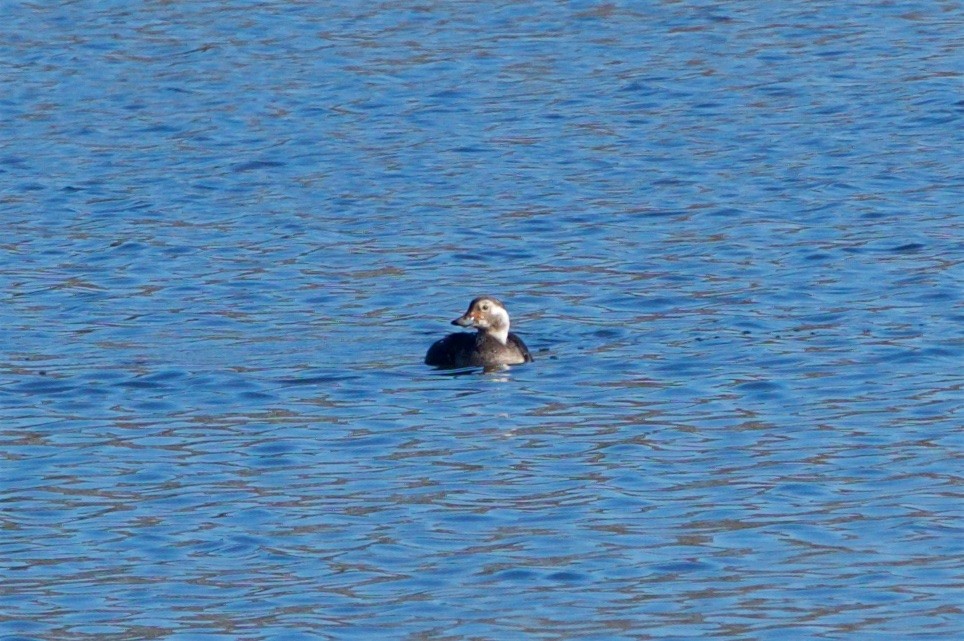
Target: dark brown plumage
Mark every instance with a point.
(493, 345)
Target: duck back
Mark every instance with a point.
(476, 350)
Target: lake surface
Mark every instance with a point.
(731, 234)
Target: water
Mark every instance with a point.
(731, 235)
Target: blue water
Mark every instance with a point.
(730, 233)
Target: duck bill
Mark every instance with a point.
(464, 321)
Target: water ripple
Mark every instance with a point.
(729, 234)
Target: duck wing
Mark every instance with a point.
(452, 351)
(517, 342)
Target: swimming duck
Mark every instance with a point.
(492, 346)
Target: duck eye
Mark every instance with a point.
(485, 307)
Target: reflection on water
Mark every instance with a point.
(728, 235)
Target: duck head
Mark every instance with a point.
(487, 315)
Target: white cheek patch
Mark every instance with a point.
(500, 322)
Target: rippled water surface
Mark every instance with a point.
(730, 233)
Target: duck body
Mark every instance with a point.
(477, 350)
(493, 345)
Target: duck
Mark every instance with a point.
(493, 345)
